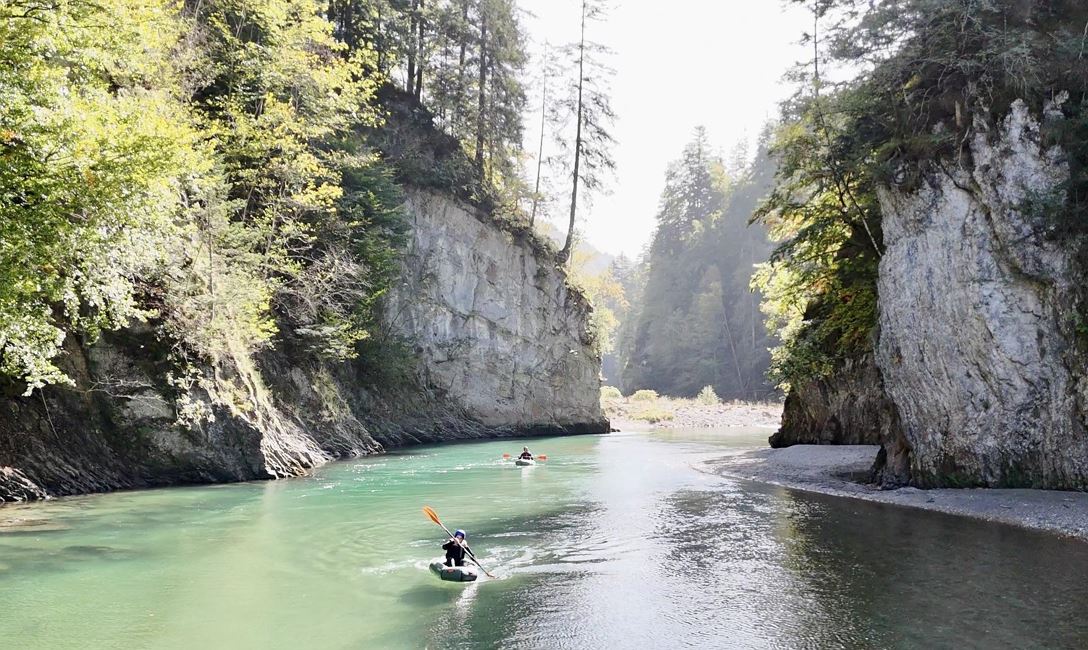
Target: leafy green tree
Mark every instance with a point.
(92, 144)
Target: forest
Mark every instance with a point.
(695, 321)
(231, 171)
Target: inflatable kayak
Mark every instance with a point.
(453, 573)
(524, 462)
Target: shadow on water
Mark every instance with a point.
(911, 578)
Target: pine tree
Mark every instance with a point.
(588, 103)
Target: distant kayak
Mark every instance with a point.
(524, 462)
(453, 573)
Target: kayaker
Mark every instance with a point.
(455, 549)
(525, 455)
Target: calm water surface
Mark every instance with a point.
(621, 541)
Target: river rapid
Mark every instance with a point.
(620, 541)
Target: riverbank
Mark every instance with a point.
(841, 470)
(676, 413)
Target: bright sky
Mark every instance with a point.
(679, 64)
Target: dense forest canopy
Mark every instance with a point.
(213, 166)
(697, 323)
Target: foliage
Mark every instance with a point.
(697, 322)
(644, 395)
(708, 397)
(200, 164)
(606, 294)
(610, 392)
(653, 415)
(93, 146)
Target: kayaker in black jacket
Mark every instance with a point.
(525, 455)
(455, 549)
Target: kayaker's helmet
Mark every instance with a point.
(525, 449)
(459, 533)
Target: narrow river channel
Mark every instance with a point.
(619, 541)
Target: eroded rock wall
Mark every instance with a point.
(499, 331)
(501, 346)
(848, 408)
(977, 347)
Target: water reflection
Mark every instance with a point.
(616, 542)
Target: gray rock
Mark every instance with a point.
(503, 349)
(977, 348)
(498, 328)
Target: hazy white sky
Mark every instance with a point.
(679, 64)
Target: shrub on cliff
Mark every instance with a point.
(644, 395)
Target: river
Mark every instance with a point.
(619, 541)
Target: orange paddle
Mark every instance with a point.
(433, 516)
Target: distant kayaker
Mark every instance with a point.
(525, 455)
(455, 549)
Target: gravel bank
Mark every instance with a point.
(841, 470)
(691, 414)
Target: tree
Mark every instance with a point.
(589, 105)
(696, 322)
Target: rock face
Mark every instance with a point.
(499, 331)
(979, 378)
(502, 349)
(849, 408)
(977, 347)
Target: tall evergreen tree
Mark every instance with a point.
(588, 103)
(697, 323)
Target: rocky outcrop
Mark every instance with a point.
(977, 347)
(847, 408)
(501, 348)
(979, 376)
(497, 327)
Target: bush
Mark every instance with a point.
(653, 415)
(708, 397)
(644, 396)
(610, 392)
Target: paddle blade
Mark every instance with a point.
(431, 514)
(542, 457)
(506, 456)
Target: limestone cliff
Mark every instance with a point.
(498, 330)
(978, 346)
(501, 347)
(979, 355)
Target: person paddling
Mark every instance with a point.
(455, 549)
(525, 455)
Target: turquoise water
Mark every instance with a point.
(621, 541)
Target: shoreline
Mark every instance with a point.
(674, 413)
(838, 470)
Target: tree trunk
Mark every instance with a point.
(413, 19)
(481, 98)
(564, 254)
(419, 52)
(723, 279)
(540, 151)
(455, 118)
